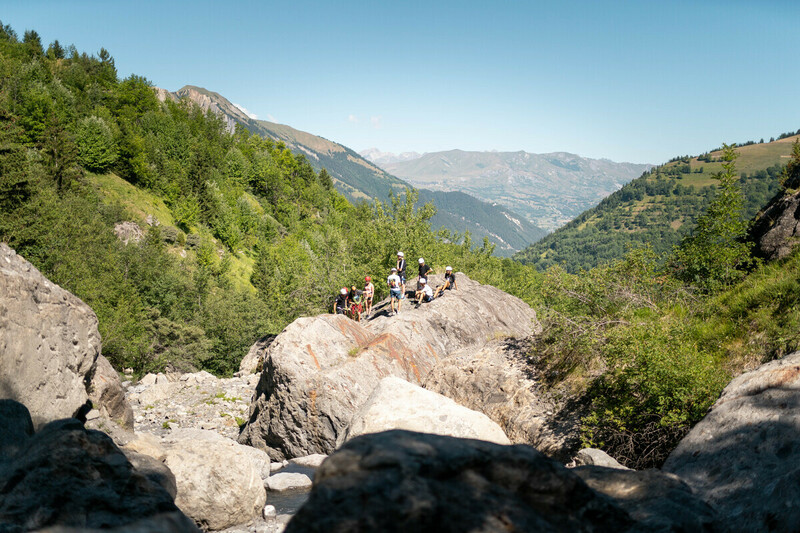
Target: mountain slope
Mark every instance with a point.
(658, 208)
(548, 189)
(359, 179)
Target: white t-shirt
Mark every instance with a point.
(396, 279)
(427, 290)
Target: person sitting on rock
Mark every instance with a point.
(424, 270)
(395, 291)
(425, 293)
(449, 282)
(340, 305)
(369, 293)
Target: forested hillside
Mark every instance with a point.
(659, 208)
(360, 180)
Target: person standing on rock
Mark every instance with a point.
(395, 291)
(340, 305)
(401, 271)
(424, 270)
(369, 292)
(449, 282)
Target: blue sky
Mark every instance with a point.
(635, 81)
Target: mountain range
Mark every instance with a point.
(361, 180)
(547, 189)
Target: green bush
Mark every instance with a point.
(97, 150)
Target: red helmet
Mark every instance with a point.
(368, 278)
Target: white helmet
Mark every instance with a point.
(399, 254)
(423, 281)
(343, 291)
(448, 268)
(421, 260)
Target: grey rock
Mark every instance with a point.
(254, 360)
(656, 500)
(397, 404)
(218, 486)
(17, 428)
(496, 380)
(154, 470)
(595, 457)
(108, 395)
(175, 522)
(311, 461)
(776, 231)
(743, 457)
(128, 232)
(288, 481)
(68, 476)
(403, 481)
(320, 370)
(48, 342)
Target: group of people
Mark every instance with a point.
(357, 303)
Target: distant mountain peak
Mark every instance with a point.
(386, 158)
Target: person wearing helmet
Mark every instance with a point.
(340, 305)
(369, 292)
(424, 270)
(425, 293)
(395, 294)
(401, 271)
(449, 282)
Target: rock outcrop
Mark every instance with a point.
(744, 457)
(254, 360)
(657, 501)
(319, 370)
(776, 230)
(68, 476)
(48, 342)
(403, 481)
(219, 481)
(107, 394)
(496, 380)
(397, 404)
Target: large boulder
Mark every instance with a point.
(657, 501)
(496, 380)
(403, 481)
(254, 360)
(67, 476)
(397, 404)
(320, 370)
(48, 342)
(219, 486)
(744, 457)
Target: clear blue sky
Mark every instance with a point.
(638, 81)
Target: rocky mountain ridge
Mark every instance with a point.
(548, 189)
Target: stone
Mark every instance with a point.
(154, 469)
(743, 456)
(288, 481)
(17, 428)
(254, 360)
(397, 404)
(147, 444)
(399, 481)
(776, 230)
(320, 370)
(311, 461)
(175, 522)
(48, 342)
(128, 232)
(108, 395)
(218, 486)
(656, 500)
(148, 379)
(69, 476)
(595, 457)
(497, 379)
